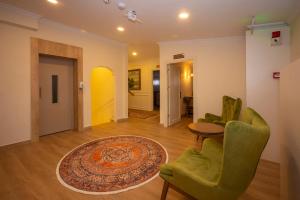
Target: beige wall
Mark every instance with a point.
(143, 99)
(15, 73)
(219, 69)
(295, 38)
(290, 131)
(289, 118)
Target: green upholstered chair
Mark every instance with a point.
(231, 111)
(220, 172)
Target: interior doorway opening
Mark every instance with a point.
(180, 91)
(102, 95)
(156, 90)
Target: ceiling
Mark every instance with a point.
(208, 18)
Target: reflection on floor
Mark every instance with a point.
(27, 171)
(142, 114)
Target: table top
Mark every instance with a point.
(206, 129)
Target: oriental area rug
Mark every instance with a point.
(111, 165)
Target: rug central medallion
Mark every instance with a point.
(111, 165)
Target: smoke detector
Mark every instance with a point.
(131, 15)
(121, 5)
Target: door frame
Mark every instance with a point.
(49, 48)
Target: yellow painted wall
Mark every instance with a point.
(102, 95)
(186, 81)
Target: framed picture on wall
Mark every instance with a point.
(134, 79)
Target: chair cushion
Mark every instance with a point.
(204, 165)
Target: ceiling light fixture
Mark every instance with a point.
(134, 53)
(53, 1)
(106, 1)
(121, 5)
(183, 15)
(120, 29)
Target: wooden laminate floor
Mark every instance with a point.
(27, 171)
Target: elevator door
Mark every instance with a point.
(56, 94)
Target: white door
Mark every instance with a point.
(56, 95)
(173, 94)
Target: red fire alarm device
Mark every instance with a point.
(276, 38)
(276, 75)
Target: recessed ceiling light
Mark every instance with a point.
(83, 30)
(53, 1)
(134, 53)
(184, 15)
(120, 29)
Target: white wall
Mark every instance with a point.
(290, 131)
(15, 73)
(218, 67)
(262, 60)
(143, 99)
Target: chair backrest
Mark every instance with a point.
(231, 108)
(244, 142)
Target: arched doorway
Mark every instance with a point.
(102, 95)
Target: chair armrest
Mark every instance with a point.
(212, 117)
(222, 123)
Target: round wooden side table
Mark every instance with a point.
(204, 130)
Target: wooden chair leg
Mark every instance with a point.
(164, 191)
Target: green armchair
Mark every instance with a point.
(220, 171)
(231, 111)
